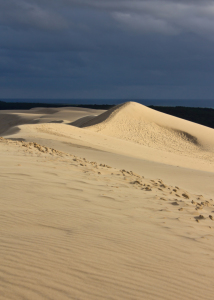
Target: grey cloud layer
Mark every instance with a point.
(96, 45)
(164, 16)
(167, 17)
(29, 14)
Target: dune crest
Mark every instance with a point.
(142, 125)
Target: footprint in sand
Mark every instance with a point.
(199, 206)
(185, 195)
(147, 189)
(175, 203)
(163, 199)
(200, 217)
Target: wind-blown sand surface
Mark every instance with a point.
(120, 207)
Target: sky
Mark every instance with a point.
(107, 49)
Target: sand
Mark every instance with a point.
(105, 205)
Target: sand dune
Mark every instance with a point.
(105, 205)
(129, 129)
(15, 118)
(139, 124)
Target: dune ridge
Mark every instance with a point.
(142, 125)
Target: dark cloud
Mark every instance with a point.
(106, 48)
(27, 15)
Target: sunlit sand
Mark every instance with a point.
(105, 205)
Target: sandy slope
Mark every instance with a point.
(72, 229)
(139, 124)
(104, 211)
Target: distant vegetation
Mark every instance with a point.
(203, 116)
(23, 105)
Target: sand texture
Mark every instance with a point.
(105, 205)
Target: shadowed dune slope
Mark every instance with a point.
(9, 120)
(139, 124)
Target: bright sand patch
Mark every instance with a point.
(74, 229)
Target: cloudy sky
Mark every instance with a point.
(106, 49)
